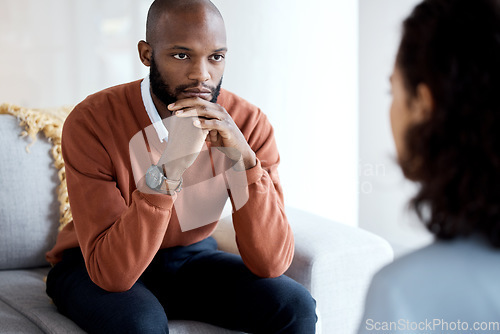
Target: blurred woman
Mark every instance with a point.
(445, 119)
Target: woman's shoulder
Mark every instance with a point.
(461, 271)
(447, 280)
(444, 258)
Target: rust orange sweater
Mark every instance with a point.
(120, 229)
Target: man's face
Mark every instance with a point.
(167, 94)
(188, 56)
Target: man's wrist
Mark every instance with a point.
(172, 172)
(156, 180)
(173, 186)
(250, 161)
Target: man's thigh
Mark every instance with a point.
(98, 311)
(217, 288)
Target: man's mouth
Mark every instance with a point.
(201, 92)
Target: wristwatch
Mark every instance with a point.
(155, 180)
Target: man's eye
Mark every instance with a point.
(181, 56)
(217, 58)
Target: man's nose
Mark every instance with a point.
(199, 71)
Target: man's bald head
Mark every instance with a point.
(185, 51)
(160, 9)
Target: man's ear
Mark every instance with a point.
(423, 102)
(145, 52)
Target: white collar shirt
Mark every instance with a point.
(153, 114)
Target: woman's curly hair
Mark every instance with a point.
(453, 46)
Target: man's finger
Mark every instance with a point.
(189, 112)
(213, 135)
(208, 124)
(203, 113)
(186, 103)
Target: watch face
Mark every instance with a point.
(154, 177)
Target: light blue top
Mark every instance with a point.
(448, 287)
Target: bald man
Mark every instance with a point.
(149, 166)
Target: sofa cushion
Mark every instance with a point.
(29, 209)
(24, 292)
(14, 322)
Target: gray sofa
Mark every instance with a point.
(335, 262)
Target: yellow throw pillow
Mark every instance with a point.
(50, 122)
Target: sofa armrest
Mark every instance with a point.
(335, 262)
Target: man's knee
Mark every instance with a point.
(296, 308)
(150, 322)
(145, 318)
(98, 311)
(299, 303)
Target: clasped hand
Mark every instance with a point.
(195, 121)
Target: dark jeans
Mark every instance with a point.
(197, 282)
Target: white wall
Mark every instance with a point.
(296, 60)
(385, 193)
(57, 52)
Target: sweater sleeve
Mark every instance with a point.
(263, 235)
(118, 234)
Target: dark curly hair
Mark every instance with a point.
(453, 46)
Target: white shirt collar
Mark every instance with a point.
(153, 114)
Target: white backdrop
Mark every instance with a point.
(296, 60)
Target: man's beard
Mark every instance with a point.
(162, 91)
